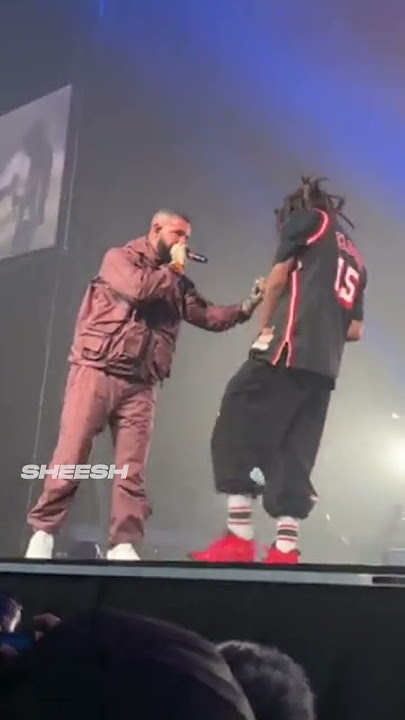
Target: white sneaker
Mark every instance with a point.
(123, 551)
(40, 547)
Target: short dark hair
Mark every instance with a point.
(311, 195)
(174, 213)
(275, 686)
(183, 216)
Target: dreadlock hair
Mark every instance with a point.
(310, 196)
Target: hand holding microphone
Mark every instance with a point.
(180, 253)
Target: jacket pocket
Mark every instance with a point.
(161, 353)
(134, 342)
(128, 346)
(94, 345)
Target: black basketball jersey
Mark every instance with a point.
(324, 294)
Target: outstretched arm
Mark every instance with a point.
(273, 289)
(217, 318)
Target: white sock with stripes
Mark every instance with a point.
(287, 534)
(240, 516)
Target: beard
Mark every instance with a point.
(163, 252)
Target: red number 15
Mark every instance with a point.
(346, 284)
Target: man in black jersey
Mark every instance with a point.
(267, 434)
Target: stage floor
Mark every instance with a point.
(366, 576)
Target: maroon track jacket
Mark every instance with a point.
(130, 316)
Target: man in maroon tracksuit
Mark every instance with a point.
(123, 346)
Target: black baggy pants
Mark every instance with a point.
(267, 435)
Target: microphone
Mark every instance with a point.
(196, 257)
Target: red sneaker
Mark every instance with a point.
(276, 557)
(228, 549)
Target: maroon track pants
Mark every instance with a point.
(92, 400)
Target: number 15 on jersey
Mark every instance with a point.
(346, 283)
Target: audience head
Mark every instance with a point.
(276, 687)
(111, 665)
